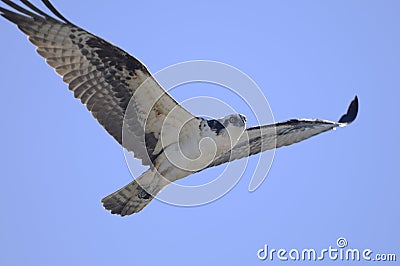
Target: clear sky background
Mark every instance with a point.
(309, 58)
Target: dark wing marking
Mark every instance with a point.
(351, 114)
(102, 76)
(261, 138)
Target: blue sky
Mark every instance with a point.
(309, 58)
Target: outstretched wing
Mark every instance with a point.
(261, 138)
(104, 77)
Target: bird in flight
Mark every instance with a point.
(133, 108)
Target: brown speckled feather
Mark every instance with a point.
(101, 75)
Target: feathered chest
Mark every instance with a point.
(196, 147)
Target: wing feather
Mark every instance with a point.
(261, 138)
(104, 77)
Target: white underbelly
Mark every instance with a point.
(175, 163)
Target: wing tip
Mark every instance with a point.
(351, 113)
(27, 12)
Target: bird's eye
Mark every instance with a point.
(232, 119)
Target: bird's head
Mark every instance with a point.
(229, 127)
(233, 121)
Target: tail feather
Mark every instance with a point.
(132, 198)
(127, 200)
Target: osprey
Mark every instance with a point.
(128, 102)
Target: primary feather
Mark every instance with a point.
(135, 110)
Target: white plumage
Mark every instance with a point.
(128, 102)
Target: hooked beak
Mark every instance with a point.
(243, 118)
